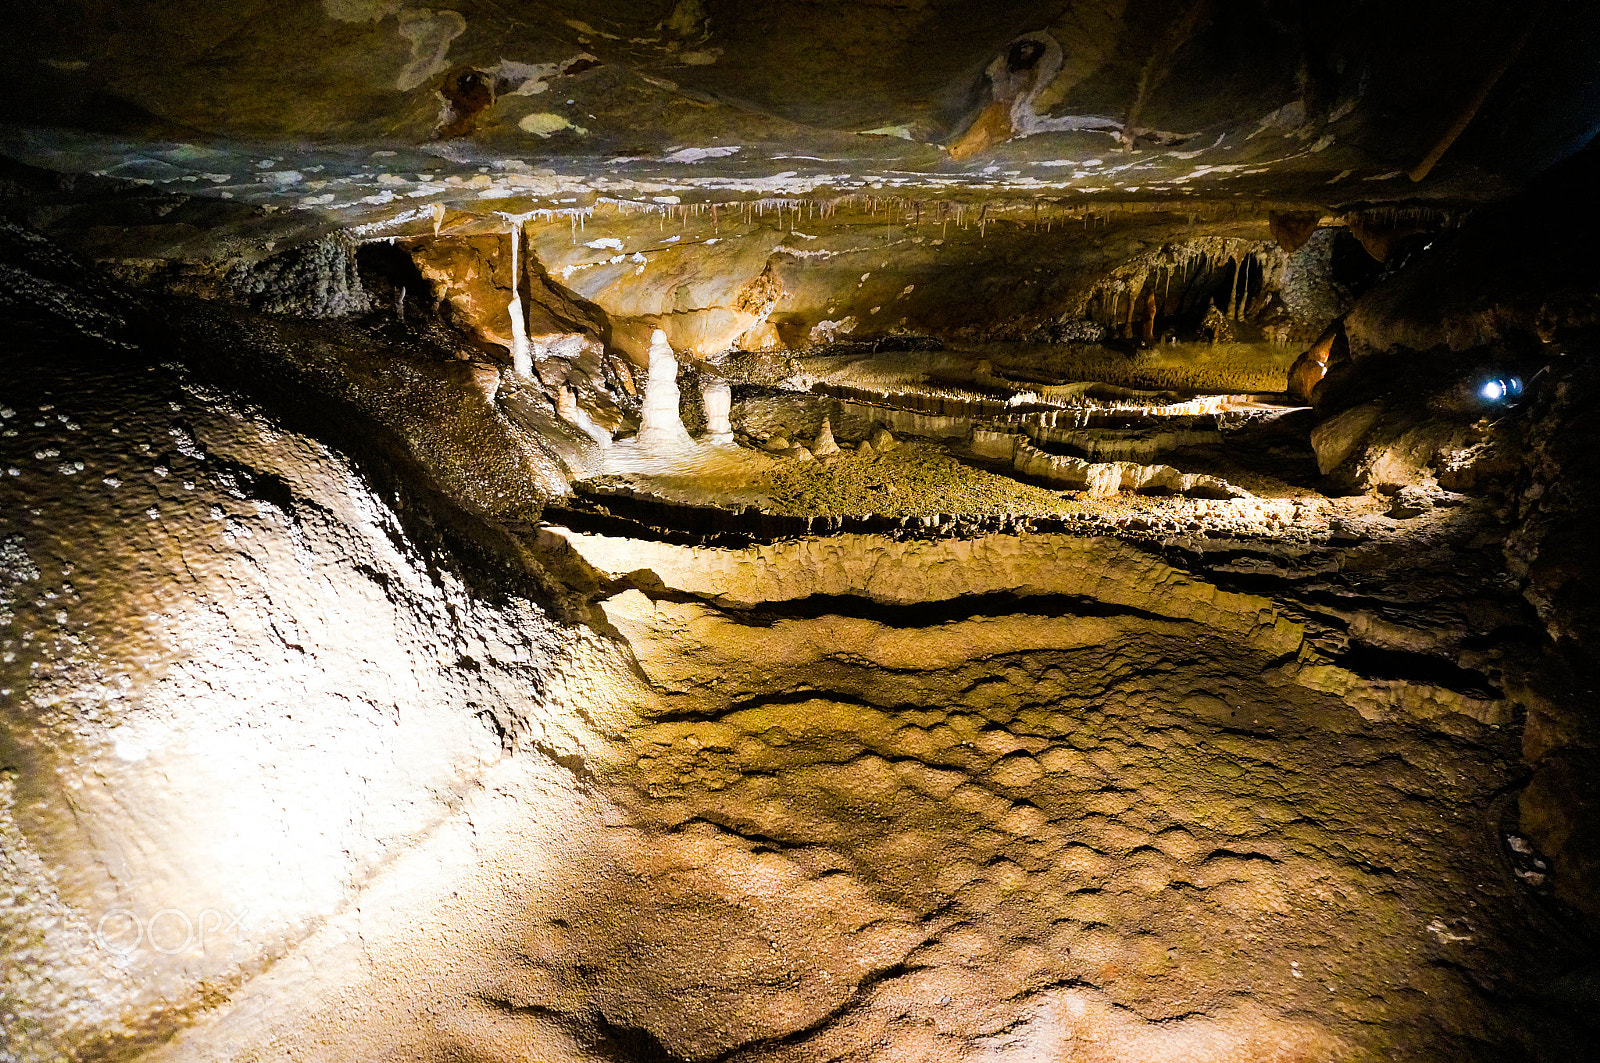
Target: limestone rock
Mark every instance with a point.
(1560, 809)
(317, 280)
(1307, 371)
(487, 380)
(273, 591)
(1101, 479)
(1337, 439)
(472, 277)
(1291, 229)
(568, 409)
(1376, 446)
(762, 337)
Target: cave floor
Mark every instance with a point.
(917, 479)
(942, 801)
(938, 471)
(1247, 441)
(1014, 798)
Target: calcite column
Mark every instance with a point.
(521, 353)
(660, 423)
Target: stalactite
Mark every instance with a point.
(521, 355)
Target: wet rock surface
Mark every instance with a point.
(262, 668)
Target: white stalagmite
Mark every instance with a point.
(718, 399)
(660, 422)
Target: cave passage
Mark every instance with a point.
(757, 533)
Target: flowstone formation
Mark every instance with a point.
(739, 533)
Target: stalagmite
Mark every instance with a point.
(660, 422)
(824, 445)
(718, 400)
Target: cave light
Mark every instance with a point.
(1501, 389)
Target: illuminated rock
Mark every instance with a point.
(1309, 369)
(568, 410)
(1100, 479)
(326, 735)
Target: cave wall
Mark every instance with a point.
(241, 675)
(1407, 409)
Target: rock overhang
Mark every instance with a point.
(380, 114)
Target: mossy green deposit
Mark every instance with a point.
(911, 480)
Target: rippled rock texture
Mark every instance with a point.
(1081, 804)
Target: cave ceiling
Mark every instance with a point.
(383, 113)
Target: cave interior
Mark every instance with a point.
(734, 531)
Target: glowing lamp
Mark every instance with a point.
(1500, 389)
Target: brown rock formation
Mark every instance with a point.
(1146, 327)
(471, 275)
(1291, 229)
(1379, 231)
(1309, 369)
